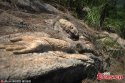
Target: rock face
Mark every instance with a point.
(69, 28)
(36, 6)
(32, 47)
(48, 66)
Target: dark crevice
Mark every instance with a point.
(70, 75)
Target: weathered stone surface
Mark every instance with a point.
(37, 6)
(32, 48)
(8, 19)
(29, 44)
(68, 27)
(25, 66)
(51, 65)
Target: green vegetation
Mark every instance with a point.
(110, 47)
(105, 14)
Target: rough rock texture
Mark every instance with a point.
(18, 67)
(51, 66)
(68, 27)
(44, 54)
(36, 6)
(29, 44)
